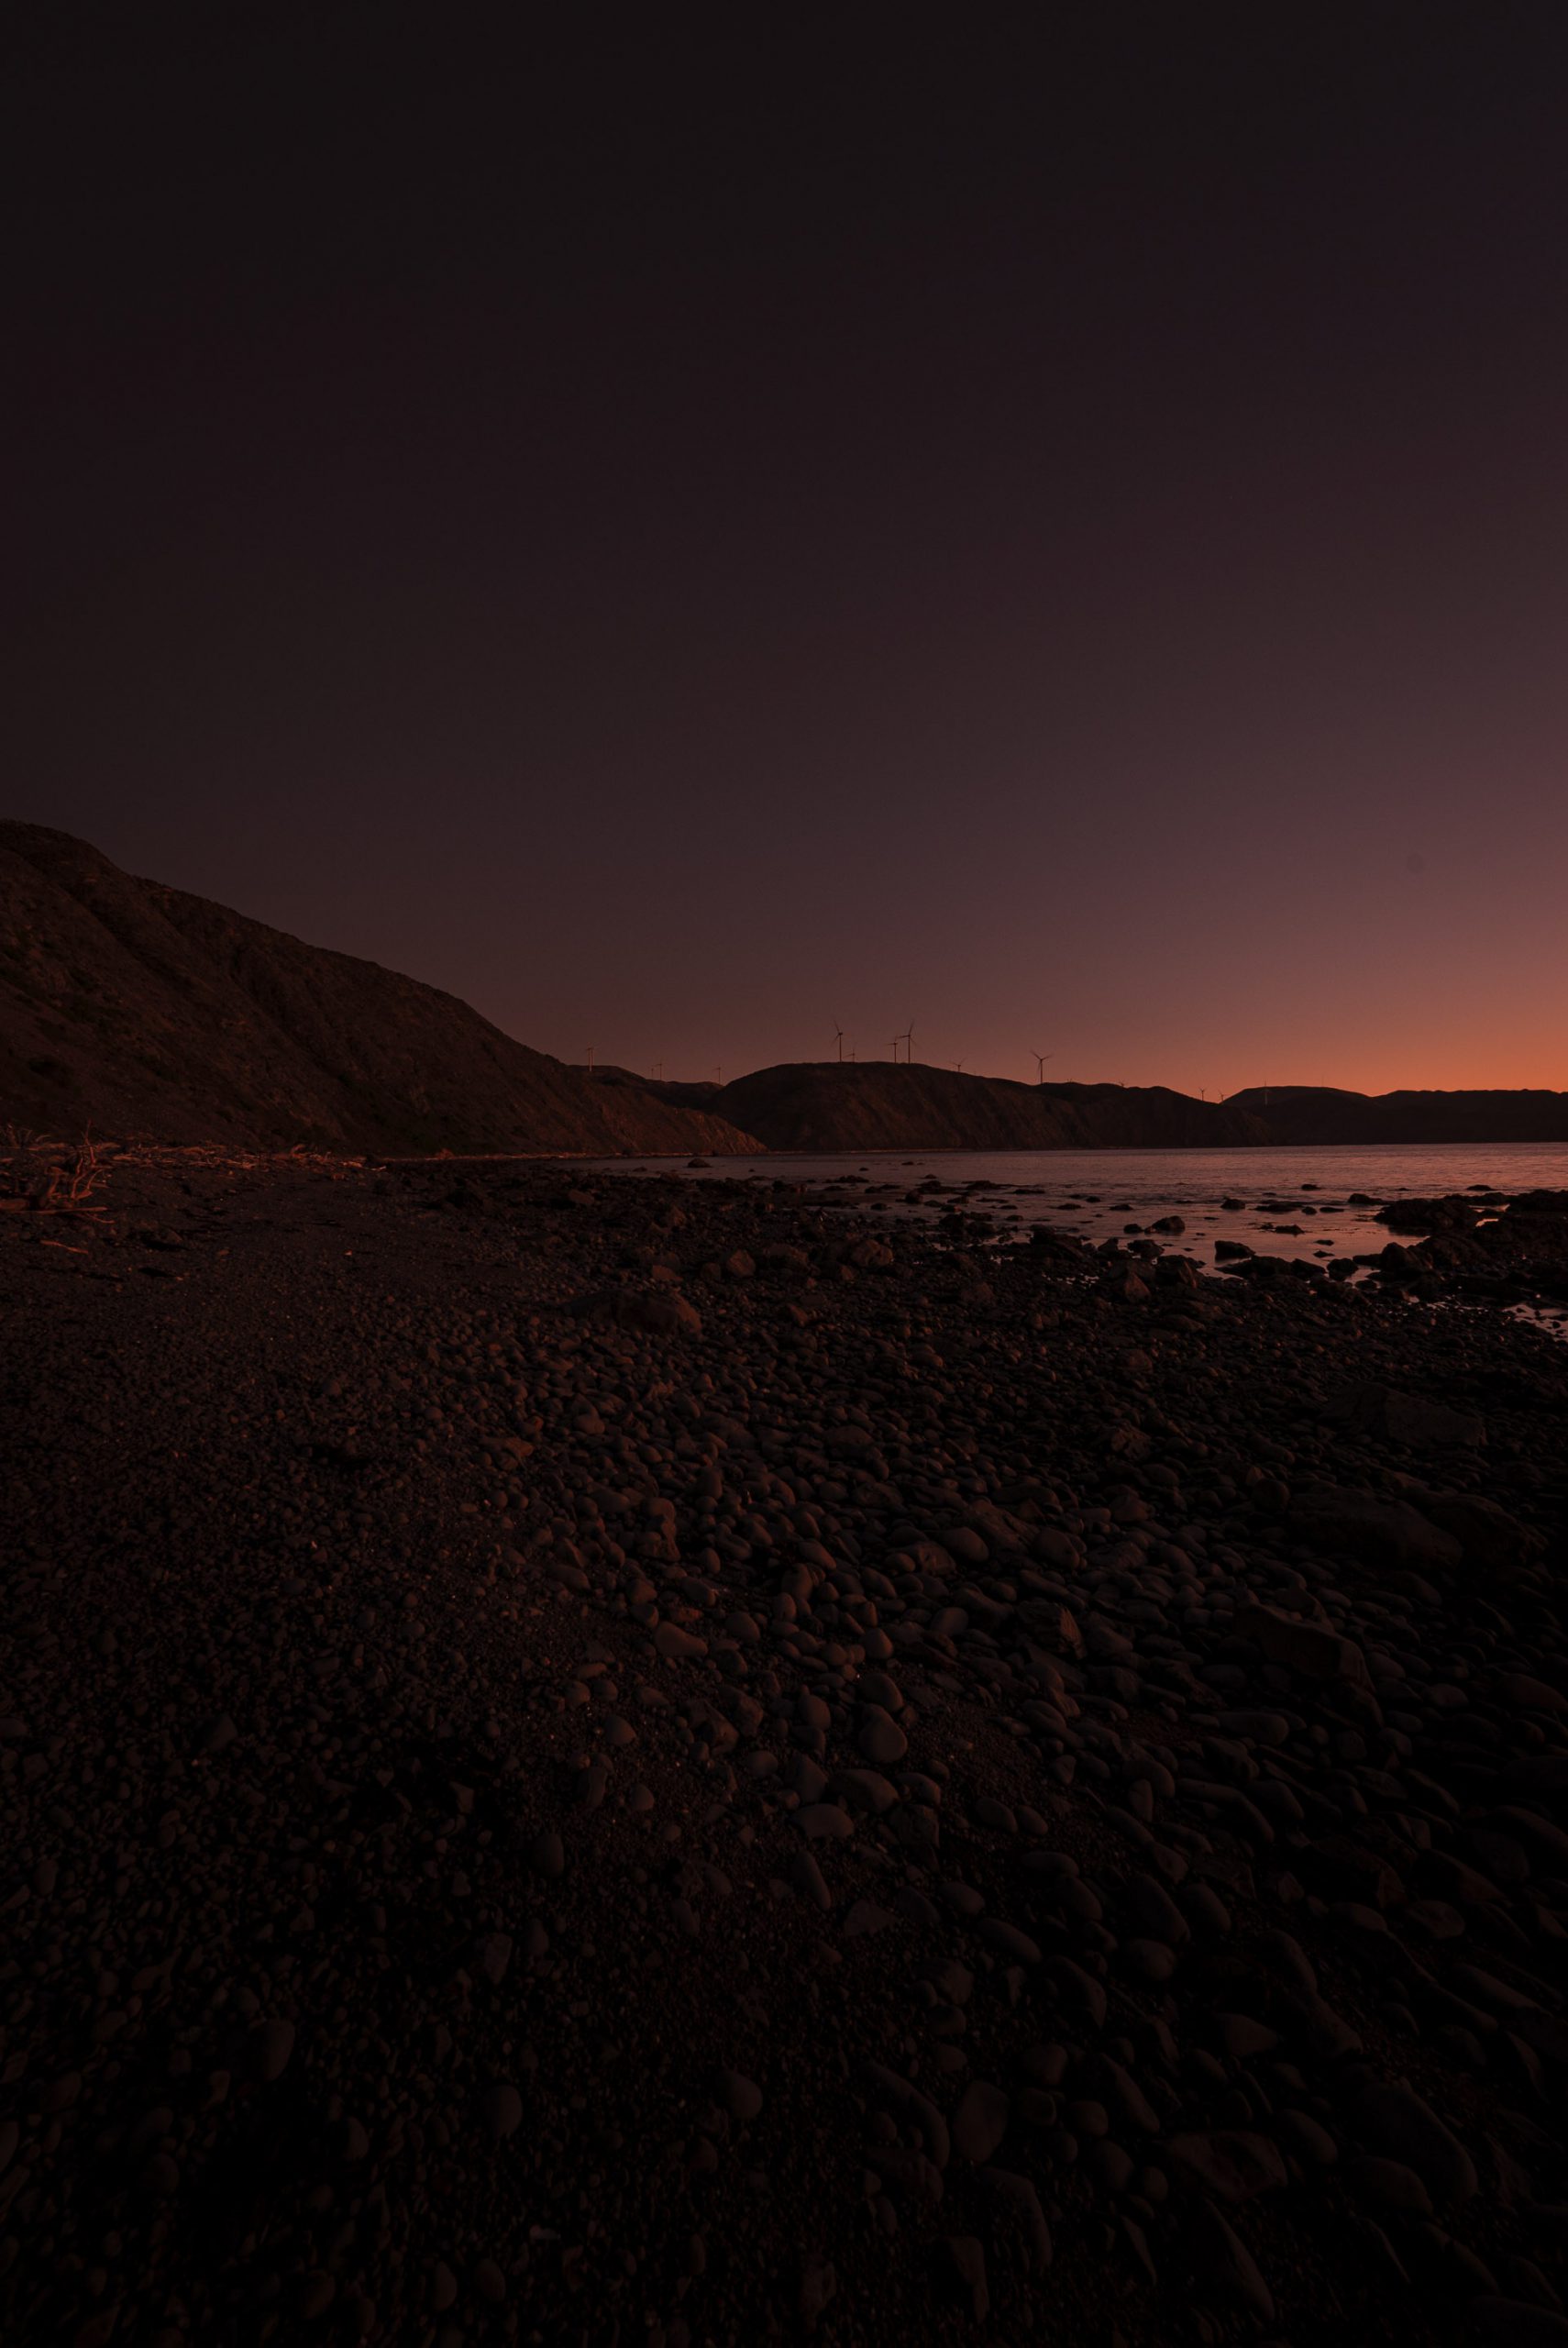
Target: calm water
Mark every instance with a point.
(1293, 1202)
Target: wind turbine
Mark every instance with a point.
(838, 1039)
(590, 1060)
(1040, 1059)
(909, 1041)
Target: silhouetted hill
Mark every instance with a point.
(1305, 1113)
(832, 1104)
(136, 1008)
(679, 1095)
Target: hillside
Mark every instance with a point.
(135, 1009)
(831, 1104)
(138, 1010)
(1307, 1114)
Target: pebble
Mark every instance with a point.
(980, 2122)
(1190, 1758)
(501, 2110)
(880, 1738)
(271, 2048)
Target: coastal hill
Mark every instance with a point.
(840, 1105)
(876, 1104)
(137, 1009)
(1306, 1113)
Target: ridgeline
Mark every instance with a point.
(143, 1013)
(146, 1013)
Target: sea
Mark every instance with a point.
(1317, 1203)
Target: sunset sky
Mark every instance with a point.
(1053, 525)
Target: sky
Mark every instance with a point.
(1046, 526)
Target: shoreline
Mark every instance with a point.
(582, 1752)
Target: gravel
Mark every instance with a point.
(592, 1759)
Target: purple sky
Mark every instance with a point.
(1055, 531)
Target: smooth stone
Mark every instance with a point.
(980, 2122)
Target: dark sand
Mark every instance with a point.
(959, 1798)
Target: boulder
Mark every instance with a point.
(1331, 1519)
(1400, 2125)
(1314, 1649)
(1408, 1419)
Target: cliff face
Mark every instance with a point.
(138, 1010)
(869, 1105)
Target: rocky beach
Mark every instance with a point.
(655, 1761)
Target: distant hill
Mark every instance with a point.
(138, 1010)
(1305, 1113)
(868, 1104)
